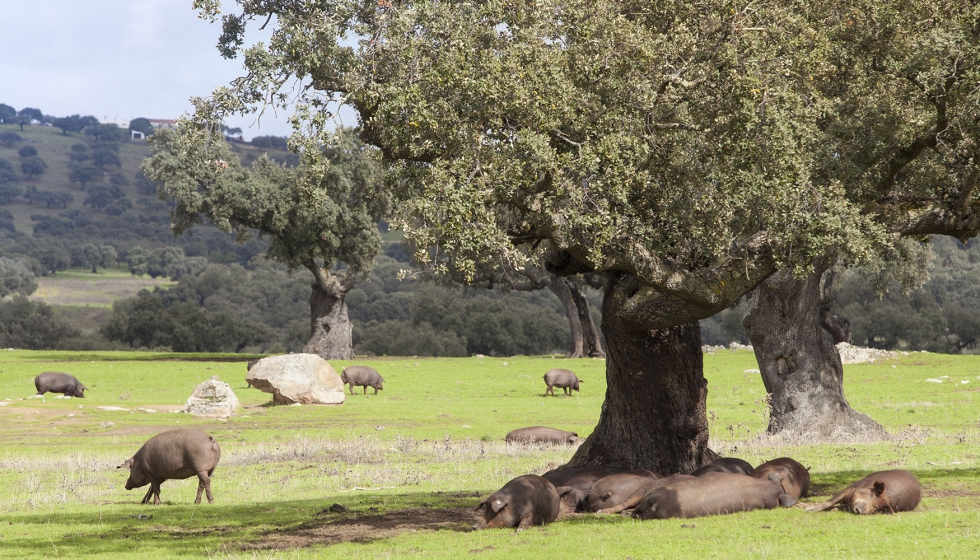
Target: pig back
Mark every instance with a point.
(178, 454)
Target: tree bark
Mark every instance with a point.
(838, 327)
(330, 336)
(654, 414)
(591, 343)
(800, 366)
(562, 290)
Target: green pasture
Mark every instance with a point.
(410, 463)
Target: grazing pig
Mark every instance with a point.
(527, 500)
(173, 455)
(713, 493)
(57, 382)
(562, 378)
(880, 492)
(362, 376)
(796, 477)
(540, 434)
(727, 465)
(617, 492)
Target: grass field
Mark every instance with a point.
(412, 462)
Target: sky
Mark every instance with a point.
(117, 60)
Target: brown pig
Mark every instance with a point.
(795, 477)
(524, 501)
(880, 492)
(617, 492)
(540, 434)
(712, 493)
(574, 484)
(362, 376)
(726, 464)
(57, 382)
(173, 455)
(564, 379)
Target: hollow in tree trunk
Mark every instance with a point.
(801, 368)
(654, 412)
(330, 336)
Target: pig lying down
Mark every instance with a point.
(879, 492)
(173, 455)
(524, 501)
(713, 493)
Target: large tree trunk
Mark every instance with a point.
(591, 343)
(561, 288)
(800, 365)
(330, 326)
(654, 413)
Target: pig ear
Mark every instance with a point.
(497, 505)
(482, 504)
(775, 477)
(127, 464)
(562, 490)
(878, 488)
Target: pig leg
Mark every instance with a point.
(375, 390)
(204, 485)
(525, 523)
(365, 390)
(549, 389)
(146, 498)
(630, 503)
(840, 497)
(155, 488)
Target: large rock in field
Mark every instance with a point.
(213, 399)
(297, 378)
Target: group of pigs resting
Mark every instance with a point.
(727, 485)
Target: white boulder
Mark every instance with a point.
(297, 378)
(212, 399)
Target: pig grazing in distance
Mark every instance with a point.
(57, 382)
(173, 455)
(524, 501)
(564, 379)
(362, 376)
(540, 434)
(880, 492)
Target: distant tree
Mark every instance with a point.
(141, 125)
(31, 114)
(9, 138)
(277, 142)
(7, 172)
(85, 174)
(144, 185)
(91, 256)
(336, 237)
(73, 123)
(107, 256)
(118, 180)
(6, 112)
(9, 192)
(33, 166)
(104, 156)
(27, 151)
(53, 256)
(138, 259)
(31, 325)
(100, 196)
(50, 198)
(105, 131)
(230, 132)
(31, 193)
(79, 153)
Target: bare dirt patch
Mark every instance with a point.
(334, 528)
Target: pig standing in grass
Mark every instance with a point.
(173, 455)
(57, 382)
(362, 376)
(564, 379)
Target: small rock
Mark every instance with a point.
(751, 371)
(297, 378)
(113, 408)
(212, 399)
(933, 380)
